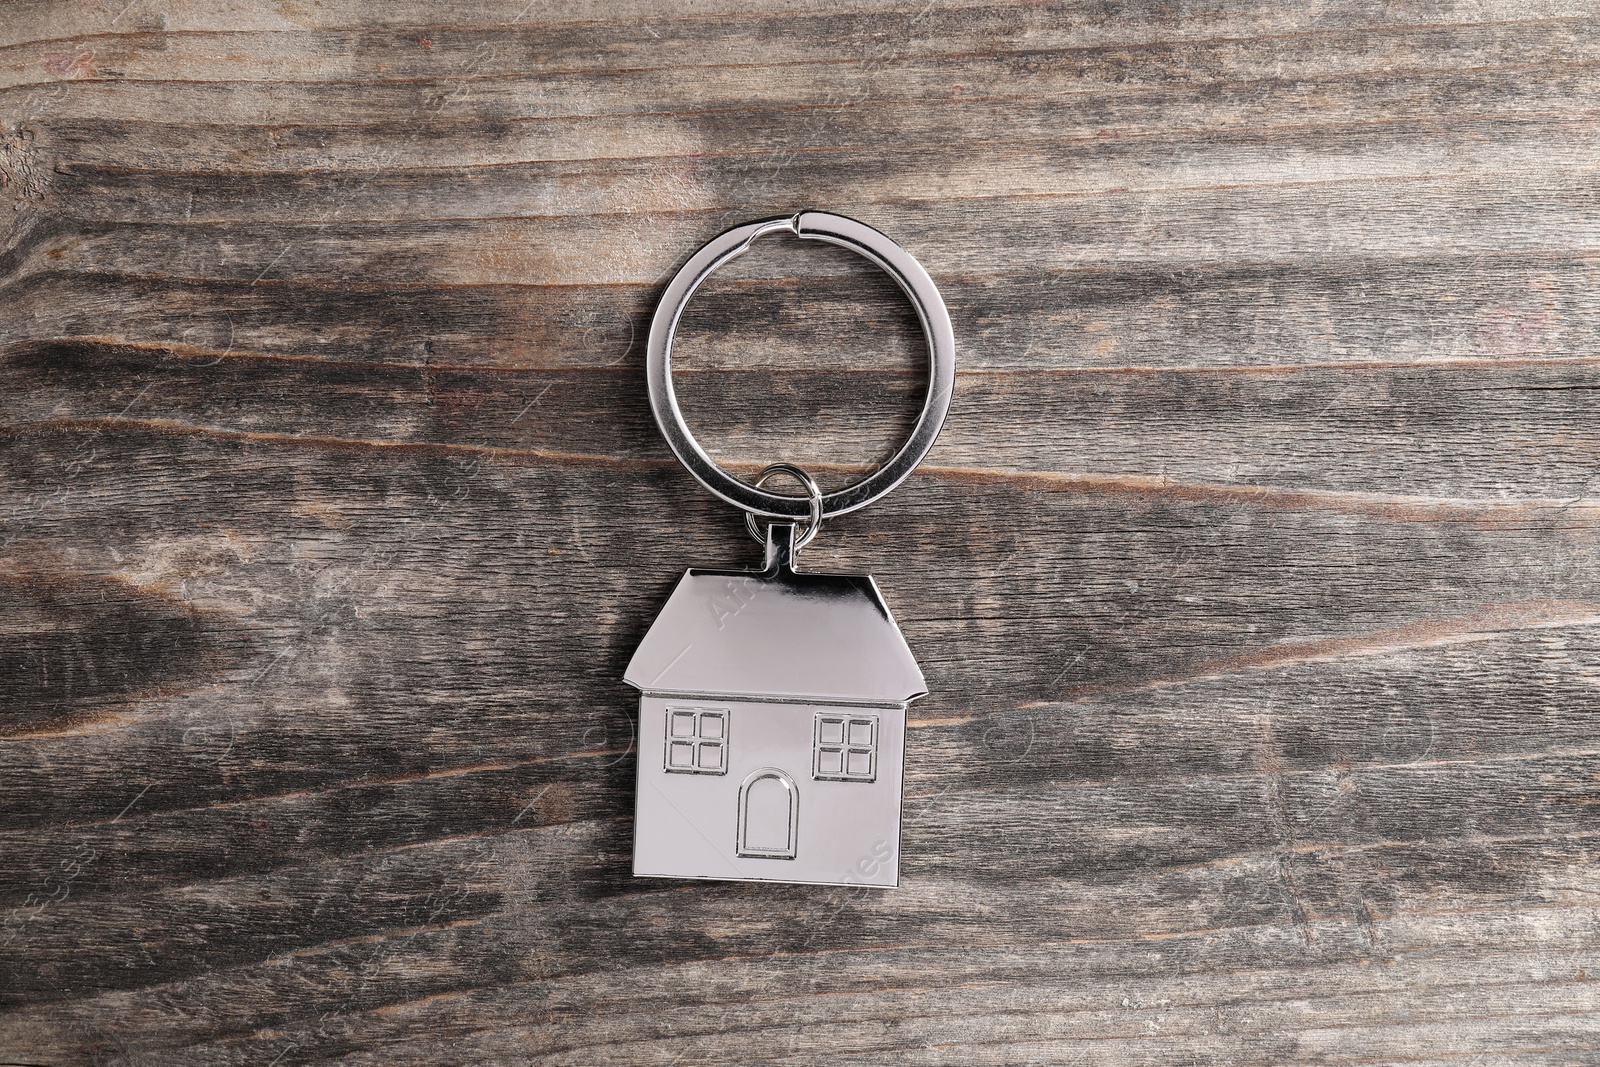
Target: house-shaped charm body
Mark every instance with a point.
(772, 728)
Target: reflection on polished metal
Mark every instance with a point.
(894, 261)
(778, 695)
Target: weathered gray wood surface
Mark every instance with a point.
(1256, 576)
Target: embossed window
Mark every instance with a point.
(697, 741)
(846, 747)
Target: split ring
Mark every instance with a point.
(813, 496)
(889, 257)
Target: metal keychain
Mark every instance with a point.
(772, 714)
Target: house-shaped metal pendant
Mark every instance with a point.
(772, 727)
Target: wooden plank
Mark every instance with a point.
(1256, 575)
(1222, 433)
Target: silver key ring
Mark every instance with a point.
(863, 240)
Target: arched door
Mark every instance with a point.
(769, 815)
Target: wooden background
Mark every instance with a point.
(1256, 575)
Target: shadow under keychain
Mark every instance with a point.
(772, 714)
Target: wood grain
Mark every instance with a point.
(1256, 576)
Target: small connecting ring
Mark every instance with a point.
(862, 239)
(813, 491)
